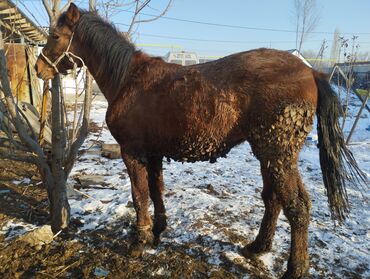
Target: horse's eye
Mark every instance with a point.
(55, 36)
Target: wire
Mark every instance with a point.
(21, 2)
(242, 27)
(41, 12)
(227, 41)
(227, 25)
(216, 41)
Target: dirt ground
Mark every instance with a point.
(95, 254)
(103, 253)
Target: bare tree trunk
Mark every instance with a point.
(303, 33)
(55, 169)
(334, 48)
(57, 192)
(59, 207)
(306, 20)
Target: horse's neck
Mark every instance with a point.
(93, 64)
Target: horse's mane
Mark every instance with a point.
(106, 42)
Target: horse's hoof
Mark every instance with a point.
(156, 241)
(136, 250)
(160, 225)
(253, 249)
(289, 275)
(145, 237)
(297, 272)
(157, 237)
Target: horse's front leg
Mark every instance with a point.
(137, 171)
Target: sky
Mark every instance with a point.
(226, 27)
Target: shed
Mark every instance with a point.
(21, 36)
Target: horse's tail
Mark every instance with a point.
(337, 162)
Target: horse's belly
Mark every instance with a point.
(199, 149)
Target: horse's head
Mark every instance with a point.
(59, 54)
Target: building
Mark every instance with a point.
(21, 37)
(17, 27)
(295, 52)
(190, 58)
(182, 58)
(359, 71)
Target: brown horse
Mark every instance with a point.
(157, 109)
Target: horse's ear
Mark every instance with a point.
(72, 14)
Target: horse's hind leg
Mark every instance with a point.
(277, 147)
(263, 241)
(296, 206)
(137, 171)
(283, 188)
(156, 186)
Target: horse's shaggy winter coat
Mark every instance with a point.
(156, 109)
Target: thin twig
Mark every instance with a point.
(94, 141)
(156, 17)
(47, 275)
(58, 233)
(84, 194)
(65, 269)
(25, 190)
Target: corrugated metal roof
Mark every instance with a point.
(16, 25)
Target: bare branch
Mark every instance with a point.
(65, 6)
(84, 127)
(12, 107)
(29, 158)
(48, 8)
(133, 18)
(142, 6)
(53, 10)
(307, 18)
(158, 16)
(31, 144)
(11, 142)
(139, 7)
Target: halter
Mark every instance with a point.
(67, 54)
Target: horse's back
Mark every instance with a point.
(271, 79)
(200, 112)
(259, 67)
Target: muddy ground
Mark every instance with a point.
(103, 252)
(95, 254)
